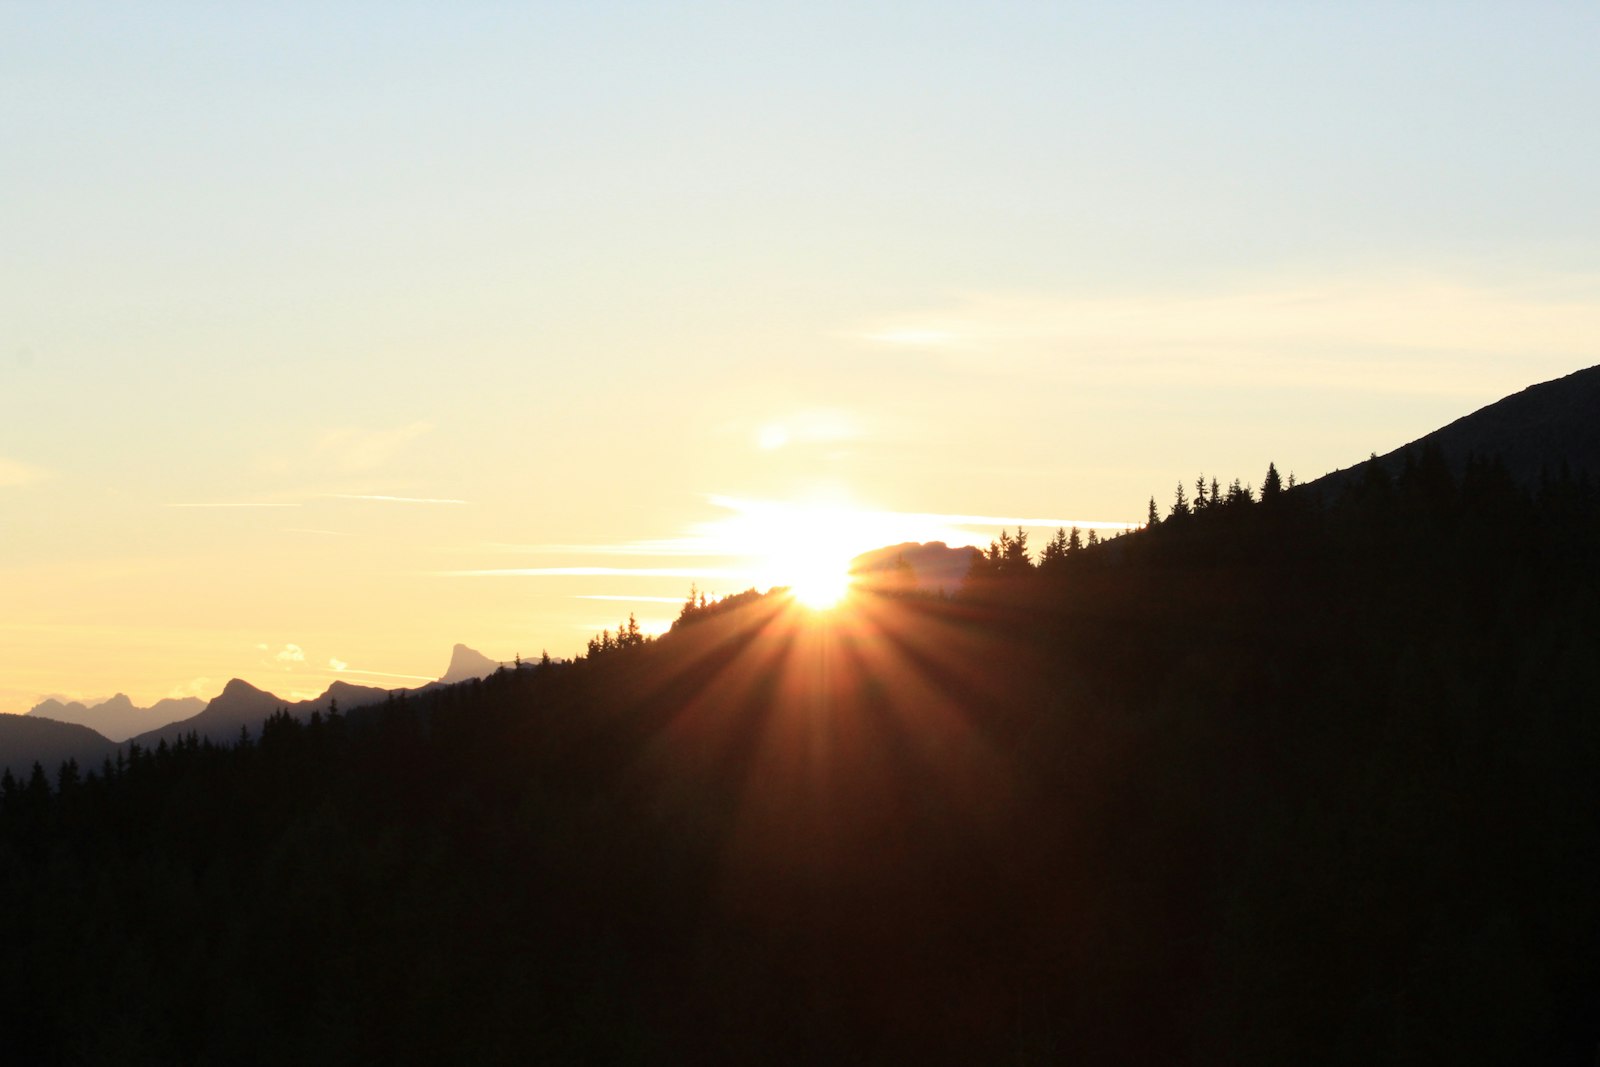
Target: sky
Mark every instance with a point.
(334, 334)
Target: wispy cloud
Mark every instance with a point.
(758, 542)
(912, 337)
(291, 654)
(992, 522)
(242, 502)
(1401, 333)
(668, 546)
(630, 599)
(754, 525)
(303, 498)
(349, 450)
(592, 572)
(345, 668)
(195, 687)
(384, 499)
(14, 473)
(817, 426)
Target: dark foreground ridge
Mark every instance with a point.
(1271, 781)
(1260, 781)
(1534, 435)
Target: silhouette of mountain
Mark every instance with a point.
(241, 704)
(1264, 777)
(466, 664)
(1533, 433)
(119, 718)
(26, 739)
(934, 567)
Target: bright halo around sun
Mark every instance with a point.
(820, 585)
(810, 557)
(804, 547)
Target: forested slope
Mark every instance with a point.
(1266, 782)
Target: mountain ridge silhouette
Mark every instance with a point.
(117, 717)
(1532, 432)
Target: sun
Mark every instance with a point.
(811, 563)
(805, 547)
(820, 588)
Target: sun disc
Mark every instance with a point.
(804, 547)
(821, 589)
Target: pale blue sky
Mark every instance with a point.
(584, 267)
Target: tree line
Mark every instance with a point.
(1288, 775)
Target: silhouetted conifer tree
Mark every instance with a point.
(1180, 504)
(1055, 551)
(38, 790)
(1016, 559)
(1271, 485)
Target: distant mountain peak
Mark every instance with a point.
(117, 717)
(933, 567)
(467, 663)
(53, 707)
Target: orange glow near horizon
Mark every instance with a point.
(806, 722)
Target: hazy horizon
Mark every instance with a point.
(330, 338)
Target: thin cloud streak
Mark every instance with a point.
(354, 451)
(381, 498)
(992, 521)
(383, 674)
(674, 546)
(757, 542)
(14, 474)
(298, 500)
(592, 572)
(631, 599)
(1404, 333)
(714, 544)
(237, 504)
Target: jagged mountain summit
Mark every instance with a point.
(1533, 433)
(54, 730)
(241, 704)
(118, 718)
(466, 664)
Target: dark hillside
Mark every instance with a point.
(1265, 783)
(1533, 434)
(26, 739)
(242, 705)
